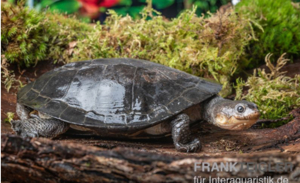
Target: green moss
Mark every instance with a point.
(206, 47)
(280, 20)
(65, 31)
(28, 37)
(275, 94)
(9, 80)
(10, 117)
(23, 37)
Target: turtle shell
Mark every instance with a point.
(118, 94)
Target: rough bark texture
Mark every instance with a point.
(40, 160)
(65, 160)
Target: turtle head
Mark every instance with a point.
(234, 115)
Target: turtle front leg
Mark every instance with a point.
(38, 127)
(182, 135)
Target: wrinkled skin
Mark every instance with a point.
(231, 115)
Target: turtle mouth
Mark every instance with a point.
(253, 116)
(238, 122)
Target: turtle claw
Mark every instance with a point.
(17, 126)
(193, 146)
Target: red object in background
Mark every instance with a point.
(91, 7)
(99, 3)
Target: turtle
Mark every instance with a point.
(123, 97)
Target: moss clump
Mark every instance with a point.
(65, 31)
(9, 77)
(280, 20)
(275, 94)
(23, 37)
(207, 47)
(204, 47)
(28, 37)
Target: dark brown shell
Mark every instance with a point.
(118, 94)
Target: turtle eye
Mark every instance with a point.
(240, 109)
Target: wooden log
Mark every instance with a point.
(46, 160)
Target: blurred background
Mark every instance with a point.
(95, 10)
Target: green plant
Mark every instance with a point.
(9, 80)
(275, 94)
(207, 47)
(62, 6)
(28, 37)
(10, 117)
(280, 21)
(23, 34)
(65, 31)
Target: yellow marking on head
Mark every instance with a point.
(233, 123)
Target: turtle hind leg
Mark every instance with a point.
(22, 111)
(39, 127)
(182, 135)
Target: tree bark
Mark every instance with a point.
(40, 160)
(61, 160)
